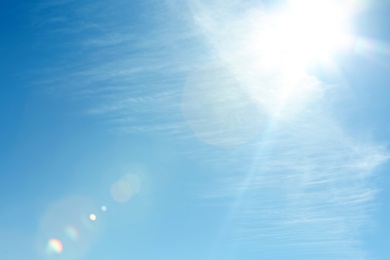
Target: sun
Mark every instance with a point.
(307, 31)
(277, 53)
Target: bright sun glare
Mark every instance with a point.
(307, 31)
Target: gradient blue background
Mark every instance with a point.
(52, 145)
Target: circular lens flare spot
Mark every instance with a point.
(54, 246)
(92, 217)
(125, 188)
(103, 208)
(72, 233)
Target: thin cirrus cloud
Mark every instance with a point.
(300, 184)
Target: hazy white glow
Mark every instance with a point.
(306, 31)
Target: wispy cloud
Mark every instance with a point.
(308, 191)
(301, 185)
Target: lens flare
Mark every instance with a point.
(92, 217)
(72, 233)
(67, 224)
(373, 50)
(125, 188)
(54, 246)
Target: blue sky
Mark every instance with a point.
(194, 130)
